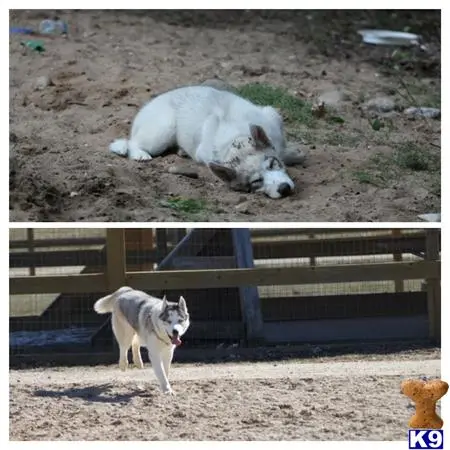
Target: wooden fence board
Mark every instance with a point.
(188, 279)
(63, 258)
(280, 232)
(59, 242)
(348, 246)
(115, 258)
(285, 275)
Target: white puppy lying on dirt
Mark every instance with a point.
(242, 143)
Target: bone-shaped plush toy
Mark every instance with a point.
(425, 394)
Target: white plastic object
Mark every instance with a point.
(423, 111)
(430, 217)
(388, 37)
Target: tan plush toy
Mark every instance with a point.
(425, 394)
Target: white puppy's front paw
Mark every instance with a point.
(123, 365)
(136, 153)
(119, 147)
(140, 156)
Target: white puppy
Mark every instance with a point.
(242, 143)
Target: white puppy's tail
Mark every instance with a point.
(105, 304)
(119, 146)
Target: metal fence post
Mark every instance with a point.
(433, 287)
(250, 303)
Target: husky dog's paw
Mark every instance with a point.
(168, 391)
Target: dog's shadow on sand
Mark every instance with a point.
(102, 393)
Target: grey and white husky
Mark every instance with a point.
(140, 319)
(242, 143)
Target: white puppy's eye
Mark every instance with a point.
(256, 184)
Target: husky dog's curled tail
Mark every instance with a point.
(105, 304)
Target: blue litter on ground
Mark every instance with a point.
(20, 30)
(72, 335)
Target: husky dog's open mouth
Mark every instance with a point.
(175, 337)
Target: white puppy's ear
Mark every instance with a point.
(260, 137)
(225, 173)
(182, 303)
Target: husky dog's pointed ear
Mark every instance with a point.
(182, 303)
(164, 301)
(260, 137)
(225, 173)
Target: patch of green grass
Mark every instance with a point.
(414, 92)
(335, 119)
(377, 125)
(294, 110)
(406, 159)
(340, 138)
(366, 177)
(187, 207)
(435, 185)
(411, 156)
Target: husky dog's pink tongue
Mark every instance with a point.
(176, 340)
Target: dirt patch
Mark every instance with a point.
(264, 401)
(113, 62)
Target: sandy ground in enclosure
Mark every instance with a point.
(114, 62)
(338, 400)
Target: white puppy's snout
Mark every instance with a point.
(284, 189)
(278, 184)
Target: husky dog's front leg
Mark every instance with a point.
(167, 359)
(156, 358)
(204, 151)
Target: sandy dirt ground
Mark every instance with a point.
(294, 400)
(68, 103)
